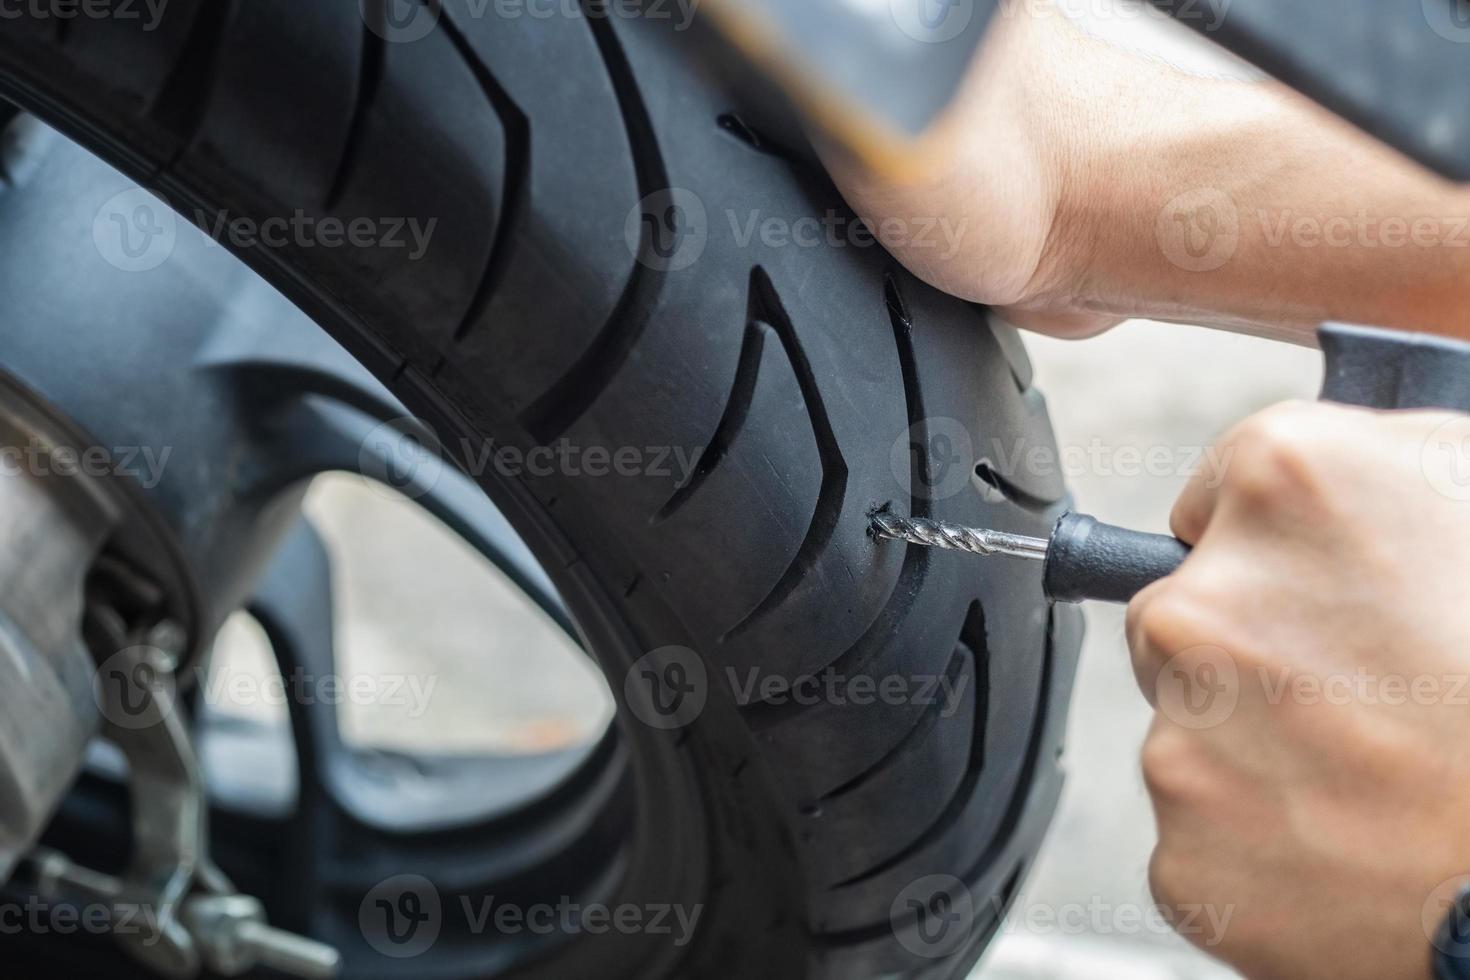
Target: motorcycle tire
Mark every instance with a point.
(842, 752)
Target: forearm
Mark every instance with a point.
(1093, 182)
(1242, 205)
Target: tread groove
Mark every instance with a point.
(370, 79)
(960, 799)
(762, 715)
(1016, 808)
(908, 361)
(569, 397)
(516, 189)
(755, 139)
(766, 307)
(922, 726)
(732, 420)
(185, 96)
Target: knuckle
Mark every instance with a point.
(1165, 620)
(1277, 450)
(1169, 761)
(1166, 876)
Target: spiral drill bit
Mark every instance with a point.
(953, 537)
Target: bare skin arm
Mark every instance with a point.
(1092, 184)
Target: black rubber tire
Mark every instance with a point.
(823, 840)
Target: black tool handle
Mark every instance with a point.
(1092, 560)
(1386, 369)
(1366, 367)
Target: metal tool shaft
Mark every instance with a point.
(954, 537)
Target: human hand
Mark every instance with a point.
(1082, 184)
(1309, 666)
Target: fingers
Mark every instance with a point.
(1253, 452)
(1169, 631)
